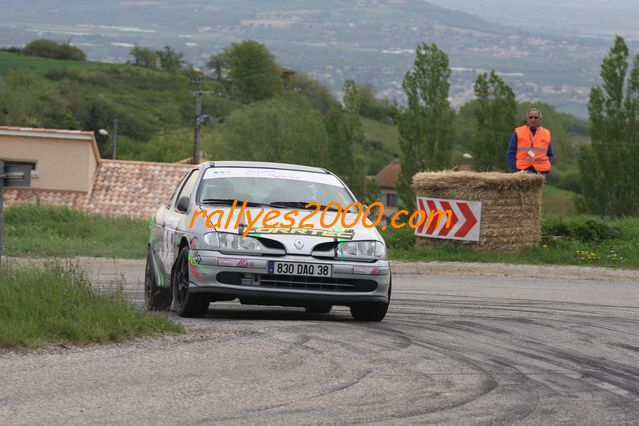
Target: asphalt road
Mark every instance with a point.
(461, 344)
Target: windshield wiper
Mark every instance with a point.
(229, 201)
(298, 204)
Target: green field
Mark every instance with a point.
(40, 66)
(48, 231)
(567, 240)
(386, 133)
(51, 231)
(558, 201)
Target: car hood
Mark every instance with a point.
(296, 239)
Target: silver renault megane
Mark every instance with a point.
(266, 234)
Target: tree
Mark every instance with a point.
(56, 50)
(171, 60)
(495, 115)
(215, 63)
(425, 126)
(251, 69)
(168, 146)
(144, 57)
(345, 147)
(317, 94)
(26, 101)
(70, 122)
(609, 168)
(372, 107)
(274, 130)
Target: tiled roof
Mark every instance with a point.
(190, 160)
(30, 196)
(387, 177)
(132, 188)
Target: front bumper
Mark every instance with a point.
(248, 278)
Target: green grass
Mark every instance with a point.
(576, 240)
(558, 201)
(32, 230)
(568, 240)
(386, 133)
(385, 144)
(40, 66)
(57, 305)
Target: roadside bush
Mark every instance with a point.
(568, 180)
(11, 49)
(582, 228)
(399, 239)
(57, 74)
(55, 50)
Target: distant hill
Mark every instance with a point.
(155, 112)
(333, 40)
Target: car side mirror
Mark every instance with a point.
(183, 204)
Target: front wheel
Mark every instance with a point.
(371, 311)
(156, 298)
(186, 303)
(320, 308)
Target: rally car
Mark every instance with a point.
(206, 245)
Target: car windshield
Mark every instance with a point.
(285, 188)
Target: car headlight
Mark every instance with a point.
(369, 249)
(226, 241)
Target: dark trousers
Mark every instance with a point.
(531, 169)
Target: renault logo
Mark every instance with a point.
(299, 244)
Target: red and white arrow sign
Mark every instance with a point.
(449, 219)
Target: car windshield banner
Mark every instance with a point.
(346, 234)
(235, 172)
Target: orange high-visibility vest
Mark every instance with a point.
(532, 150)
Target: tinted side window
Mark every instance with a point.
(187, 189)
(177, 188)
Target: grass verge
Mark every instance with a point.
(557, 201)
(57, 305)
(568, 240)
(32, 230)
(574, 240)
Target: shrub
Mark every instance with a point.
(399, 239)
(55, 50)
(582, 228)
(57, 74)
(11, 49)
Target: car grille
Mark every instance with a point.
(299, 282)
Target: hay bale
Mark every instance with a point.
(510, 211)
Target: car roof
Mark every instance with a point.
(267, 165)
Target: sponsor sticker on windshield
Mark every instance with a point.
(235, 172)
(346, 234)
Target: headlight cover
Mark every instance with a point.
(361, 249)
(235, 242)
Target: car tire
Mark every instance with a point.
(186, 303)
(155, 298)
(371, 311)
(320, 308)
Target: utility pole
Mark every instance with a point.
(114, 138)
(199, 117)
(198, 122)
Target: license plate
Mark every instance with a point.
(303, 269)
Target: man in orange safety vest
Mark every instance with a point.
(530, 149)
